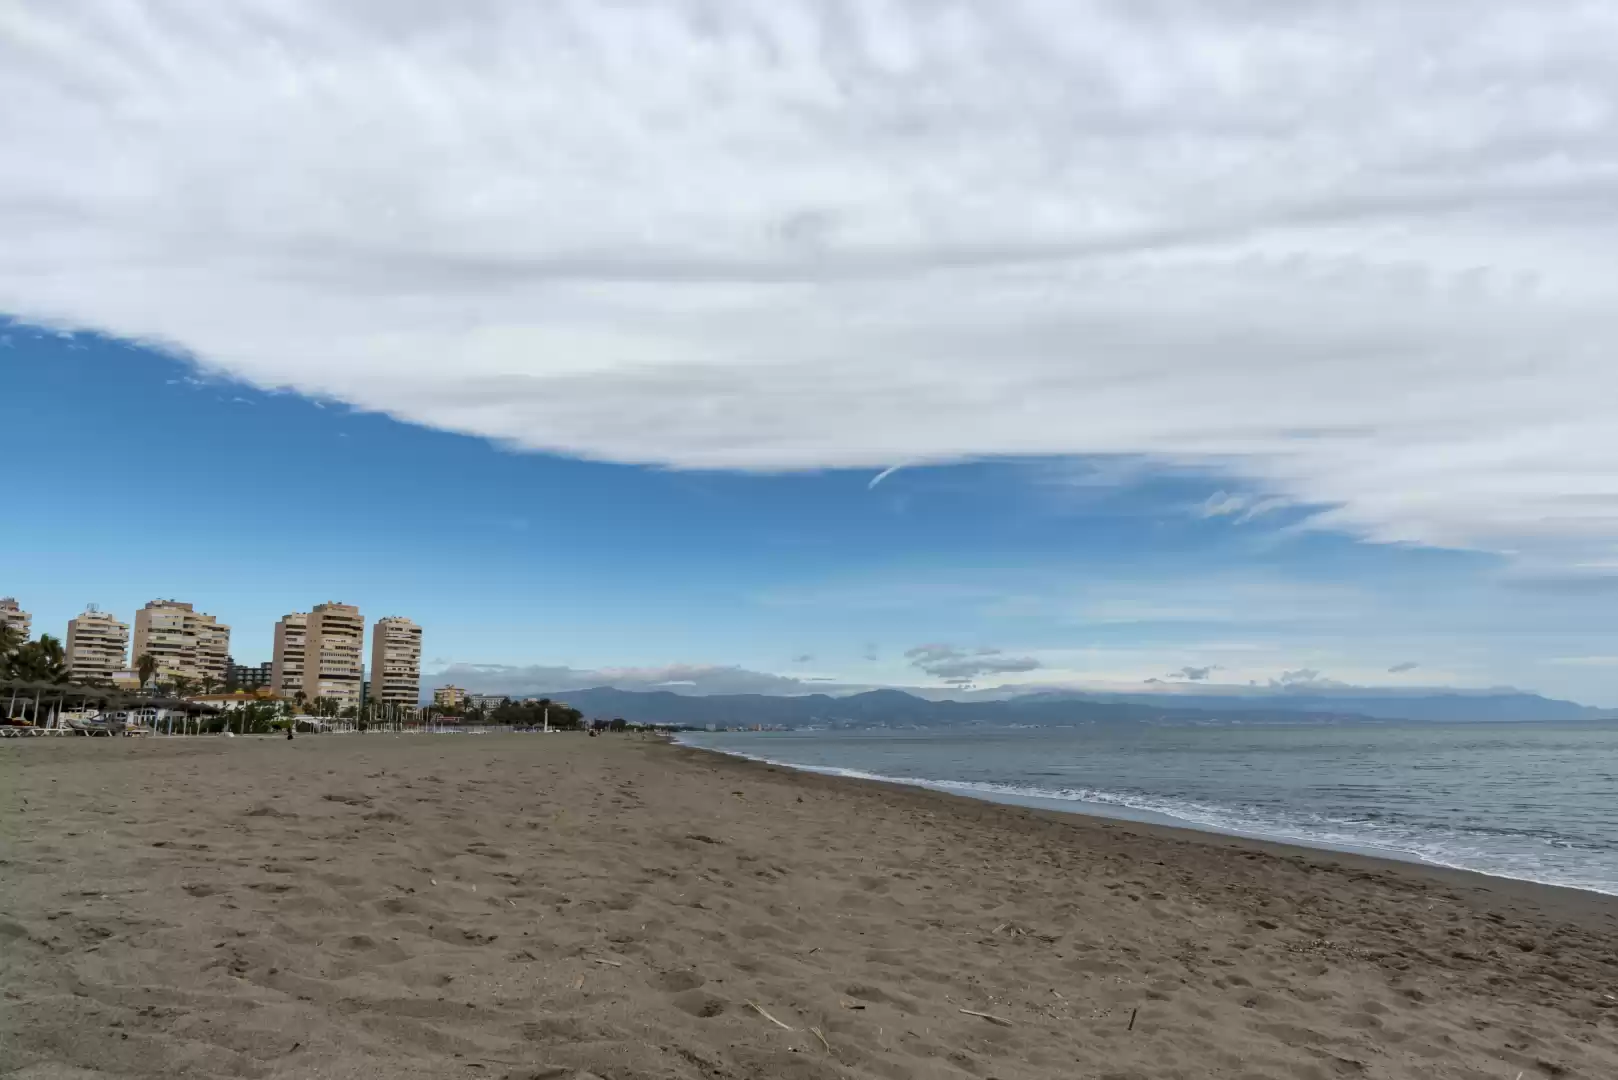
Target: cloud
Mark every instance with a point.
(1305, 679)
(1194, 674)
(803, 658)
(697, 679)
(1242, 507)
(1401, 668)
(961, 666)
(1357, 258)
(883, 475)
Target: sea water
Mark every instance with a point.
(1537, 802)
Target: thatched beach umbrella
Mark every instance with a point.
(42, 692)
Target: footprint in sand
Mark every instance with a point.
(675, 982)
(698, 1004)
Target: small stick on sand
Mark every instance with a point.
(760, 1010)
(1132, 1013)
(609, 963)
(822, 1038)
(1002, 1021)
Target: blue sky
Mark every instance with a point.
(1084, 571)
(1213, 339)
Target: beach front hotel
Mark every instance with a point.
(334, 653)
(186, 643)
(286, 663)
(97, 646)
(12, 615)
(396, 662)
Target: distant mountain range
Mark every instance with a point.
(1437, 706)
(895, 708)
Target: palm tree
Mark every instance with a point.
(145, 667)
(182, 686)
(40, 661)
(10, 641)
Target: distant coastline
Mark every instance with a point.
(899, 709)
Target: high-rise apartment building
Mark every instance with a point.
(286, 665)
(396, 662)
(97, 644)
(449, 697)
(334, 653)
(12, 615)
(213, 648)
(249, 676)
(186, 643)
(160, 633)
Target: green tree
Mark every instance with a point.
(145, 668)
(40, 661)
(11, 640)
(181, 686)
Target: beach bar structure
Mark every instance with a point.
(35, 707)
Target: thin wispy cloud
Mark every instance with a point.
(523, 679)
(1357, 256)
(883, 475)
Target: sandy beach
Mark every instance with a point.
(556, 906)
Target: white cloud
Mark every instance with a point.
(1357, 256)
(1241, 507)
(528, 679)
(1305, 679)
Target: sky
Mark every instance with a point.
(795, 345)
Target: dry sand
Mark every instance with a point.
(533, 906)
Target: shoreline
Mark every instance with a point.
(1146, 817)
(625, 909)
(1564, 901)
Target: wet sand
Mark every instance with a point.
(556, 906)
